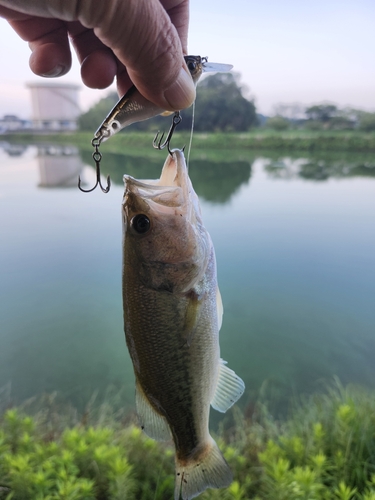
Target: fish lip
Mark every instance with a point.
(149, 191)
(152, 187)
(145, 184)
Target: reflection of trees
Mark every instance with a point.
(321, 169)
(116, 165)
(214, 181)
(217, 182)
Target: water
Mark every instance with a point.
(295, 245)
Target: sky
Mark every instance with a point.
(285, 51)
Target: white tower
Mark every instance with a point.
(55, 106)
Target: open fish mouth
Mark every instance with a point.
(151, 191)
(170, 191)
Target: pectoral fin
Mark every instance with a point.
(154, 424)
(229, 388)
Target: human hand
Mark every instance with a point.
(141, 42)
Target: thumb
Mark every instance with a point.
(140, 33)
(142, 36)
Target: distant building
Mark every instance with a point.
(11, 123)
(54, 106)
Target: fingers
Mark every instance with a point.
(98, 63)
(148, 37)
(48, 41)
(143, 38)
(179, 15)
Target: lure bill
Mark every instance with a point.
(172, 317)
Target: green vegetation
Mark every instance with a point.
(325, 450)
(223, 144)
(320, 117)
(367, 122)
(278, 122)
(95, 115)
(220, 106)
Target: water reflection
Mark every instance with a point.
(59, 166)
(13, 149)
(218, 182)
(321, 168)
(296, 263)
(215, 181)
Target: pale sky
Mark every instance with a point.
(286, 51)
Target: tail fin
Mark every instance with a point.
(206, 469)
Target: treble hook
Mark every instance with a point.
(159, 145)
(97, 156)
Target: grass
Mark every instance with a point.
(255, 140)
(324, 450)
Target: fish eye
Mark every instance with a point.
(140, 223)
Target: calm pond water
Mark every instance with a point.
(295, 245)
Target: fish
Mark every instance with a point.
(172, 317)
(133, 107)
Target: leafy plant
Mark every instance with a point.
(325, 450)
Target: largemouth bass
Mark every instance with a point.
(172, 318)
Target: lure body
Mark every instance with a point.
(133, 107)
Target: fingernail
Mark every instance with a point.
(181, 93)
(56, 71)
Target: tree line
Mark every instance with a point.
(324, 116)
(221, 107)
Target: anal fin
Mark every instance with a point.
(229, 388)
(152, 423)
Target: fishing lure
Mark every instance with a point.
(133, 107)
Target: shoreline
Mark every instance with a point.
(258, 140)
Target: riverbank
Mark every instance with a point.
(325, 450)
(255, 140)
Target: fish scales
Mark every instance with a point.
(172, 319)
(160, 341)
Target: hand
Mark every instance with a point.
(138, 41)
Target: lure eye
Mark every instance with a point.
(141, 223)
(192, 66)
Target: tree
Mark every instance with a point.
(92, 119)
(277, 123)
(220, 106)
(367, 121)
(294, 111)
(321, 112)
